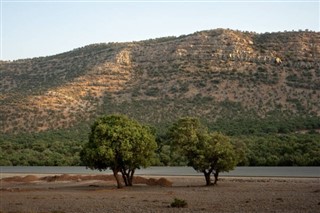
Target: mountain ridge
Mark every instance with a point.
(211, 74)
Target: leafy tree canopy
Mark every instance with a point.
(206, 153)
(121, 144)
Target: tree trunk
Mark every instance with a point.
(216, 174)
(124, 177)
(130, 173)
(127, 176)
(115, 174)
(207, 177)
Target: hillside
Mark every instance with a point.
(215, 75)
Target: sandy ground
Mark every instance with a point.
(57, 194)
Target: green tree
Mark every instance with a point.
(223, 154)
(206, 153)
(121, 144)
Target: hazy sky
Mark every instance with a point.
(43, 27)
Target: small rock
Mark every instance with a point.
(280, 199)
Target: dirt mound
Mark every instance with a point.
(26, 179)
(139, 180)
(152, 181)
(164, 182)
(65, 177)
(99, 177)
(12, 179)
(29, 178)
(50, 178)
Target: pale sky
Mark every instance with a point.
(47, 27)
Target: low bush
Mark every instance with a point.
(177, 203)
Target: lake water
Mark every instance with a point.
(172, 171)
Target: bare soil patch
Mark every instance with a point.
(98, 193)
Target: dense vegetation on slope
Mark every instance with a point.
(261, 146)
(239, 83)
(50, 148)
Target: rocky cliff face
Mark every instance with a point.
(210, 74)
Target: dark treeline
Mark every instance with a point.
(282, 150)
(268, 142)
(268, 150)
(51, 148)
(273, 124)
